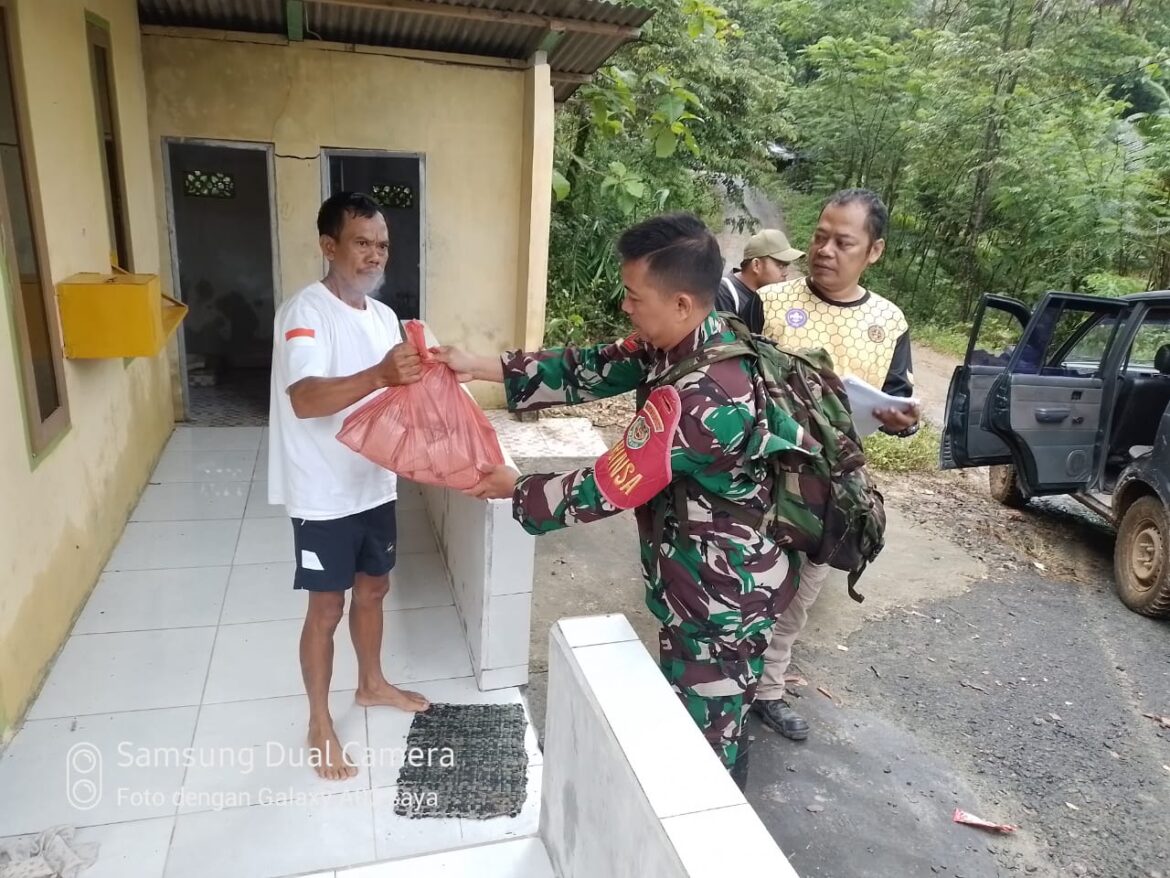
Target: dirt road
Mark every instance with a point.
(738, 225)
(932, 377)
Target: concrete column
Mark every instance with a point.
(535, 204)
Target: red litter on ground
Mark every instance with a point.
(962, 816)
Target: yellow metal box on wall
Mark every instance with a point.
(116, 315)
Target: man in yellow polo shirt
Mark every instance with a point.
(868, 337)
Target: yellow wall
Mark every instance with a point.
(62, 513)
(468, 121)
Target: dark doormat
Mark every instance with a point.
(464, 760)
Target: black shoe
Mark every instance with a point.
(779, 717)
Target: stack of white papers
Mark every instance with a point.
(864, 399)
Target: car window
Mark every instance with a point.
(1067, 339)
(1088, 351)
(999, 333)
(1153, 334)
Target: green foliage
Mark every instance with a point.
(561, 186)
(918, 453)
(582, 307)
(1114, 286)
(945, 339)
(1000, 134)
(1021, 146)
(1149, 341)
(678, 120)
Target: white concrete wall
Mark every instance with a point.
(490, 560)
(630, 786)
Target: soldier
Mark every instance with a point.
(716, 585)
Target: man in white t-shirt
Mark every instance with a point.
(334, 346)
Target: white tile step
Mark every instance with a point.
(520, 858)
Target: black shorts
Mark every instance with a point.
(330, 554)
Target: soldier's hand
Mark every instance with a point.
(460, 362)
(895, 420)
(498, 483)
(400, 366)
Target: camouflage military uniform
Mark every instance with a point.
(715, 585)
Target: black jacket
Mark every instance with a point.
(738, 298)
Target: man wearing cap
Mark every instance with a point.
(766, 260)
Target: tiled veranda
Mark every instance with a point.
(187, 653)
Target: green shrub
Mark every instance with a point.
(1114, 286)
(917, 454)
(946, 340)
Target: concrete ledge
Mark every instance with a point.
(630, 786)
(490, 560)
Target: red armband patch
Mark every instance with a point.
(638, 467)
(300, 333)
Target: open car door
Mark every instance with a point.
(995, 335)
(1048, 405)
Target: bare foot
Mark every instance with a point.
(388, 695)
(326, 755)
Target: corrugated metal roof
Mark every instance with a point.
(260, 16)
(581, 51)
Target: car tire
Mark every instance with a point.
(1005, 486)
(1141, 558)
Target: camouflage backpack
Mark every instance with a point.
(823, 504)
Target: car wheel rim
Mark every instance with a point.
(1146, 556)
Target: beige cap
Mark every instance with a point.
(771, 242)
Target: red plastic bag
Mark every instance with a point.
(430, 432)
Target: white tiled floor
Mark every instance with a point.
(258, 506)
(187, 501)
(264, 541)
(126, 670)
(143, 600)
(521, 858)
(169, 545)
(175, 711)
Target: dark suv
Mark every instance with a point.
(1071, 398)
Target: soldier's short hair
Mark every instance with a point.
(680, 251)
(877, 215)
